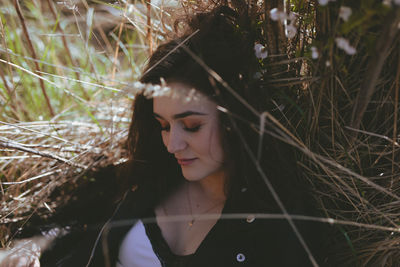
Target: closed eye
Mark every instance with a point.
(192, 129)
(188, 129)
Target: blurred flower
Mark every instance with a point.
(328, 63)
(345, 13)
(292, 16)
(343, 43)
(274, 13)
(130, 8)
(350, 50)
(291, 31)
(314, 52)
(323, 2)
(68, 5)
(278, 15)
(260, 51)
(390, 2)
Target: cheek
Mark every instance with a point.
(215, 145)
(216, 149)
(164, 137)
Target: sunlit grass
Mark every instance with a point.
(85, 58)
(86, 53)
(79, 49)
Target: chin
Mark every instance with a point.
(192, 177)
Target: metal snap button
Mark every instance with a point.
(250, 218)
(240, 257)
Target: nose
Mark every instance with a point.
(174, 140)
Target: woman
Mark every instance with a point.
(191, 167)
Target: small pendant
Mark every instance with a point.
(191, 223)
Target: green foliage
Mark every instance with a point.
(73, 78)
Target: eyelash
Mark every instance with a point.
(191, 130)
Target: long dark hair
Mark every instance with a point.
(215, 56)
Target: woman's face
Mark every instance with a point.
(190, 131)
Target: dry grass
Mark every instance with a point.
(340, 111)
(38, 157)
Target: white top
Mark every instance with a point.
(136, 249)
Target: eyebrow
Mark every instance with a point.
(182, 115)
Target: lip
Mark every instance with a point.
(184, 162)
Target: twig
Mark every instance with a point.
(10, 94)
(43, 79)
(121, 26)
(6, 48)
(393, 141)
(261, 216)
(33, 52)
(32, 178)
(17, 146)
(396, 111)
(65, 43)
(374, 69)
(83, 82)
(149, 28)
(274, 194)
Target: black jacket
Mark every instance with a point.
(95, 236)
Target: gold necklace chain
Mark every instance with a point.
(194, 218)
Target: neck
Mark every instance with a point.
(211, 187)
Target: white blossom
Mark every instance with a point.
(390, 2)
(323, 2)
(314, 52)
(350, 50)
(343, 43)
(260, 51)
(130, 8)
(277, 15)
(68, 5)
(274, 13)
(291, 31)
(345, 13)
(327, 63)
(387, 2)
(292, 16)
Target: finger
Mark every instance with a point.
(35, 263)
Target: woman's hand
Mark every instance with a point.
(25, 253)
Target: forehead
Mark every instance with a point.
(171, 105)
